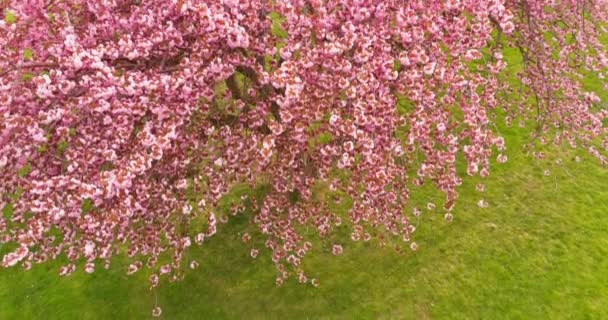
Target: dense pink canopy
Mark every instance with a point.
(122, 123)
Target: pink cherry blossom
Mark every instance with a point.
(336, 249)
(156, 312)
(246, 237)
(414, 246)
(194, 265)
(448, 217)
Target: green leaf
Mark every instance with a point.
(404, 106)
(87, 206)
(62, 146)
(107, 166)
(9, 17)
(324, 138)
(7, 211)
(28, 54)
(277, 29)
(396, 65)
(26, 76)
(25, 170)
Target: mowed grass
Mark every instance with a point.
(539, 251)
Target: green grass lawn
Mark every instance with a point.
(539, 251)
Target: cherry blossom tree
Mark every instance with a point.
(124, 123)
